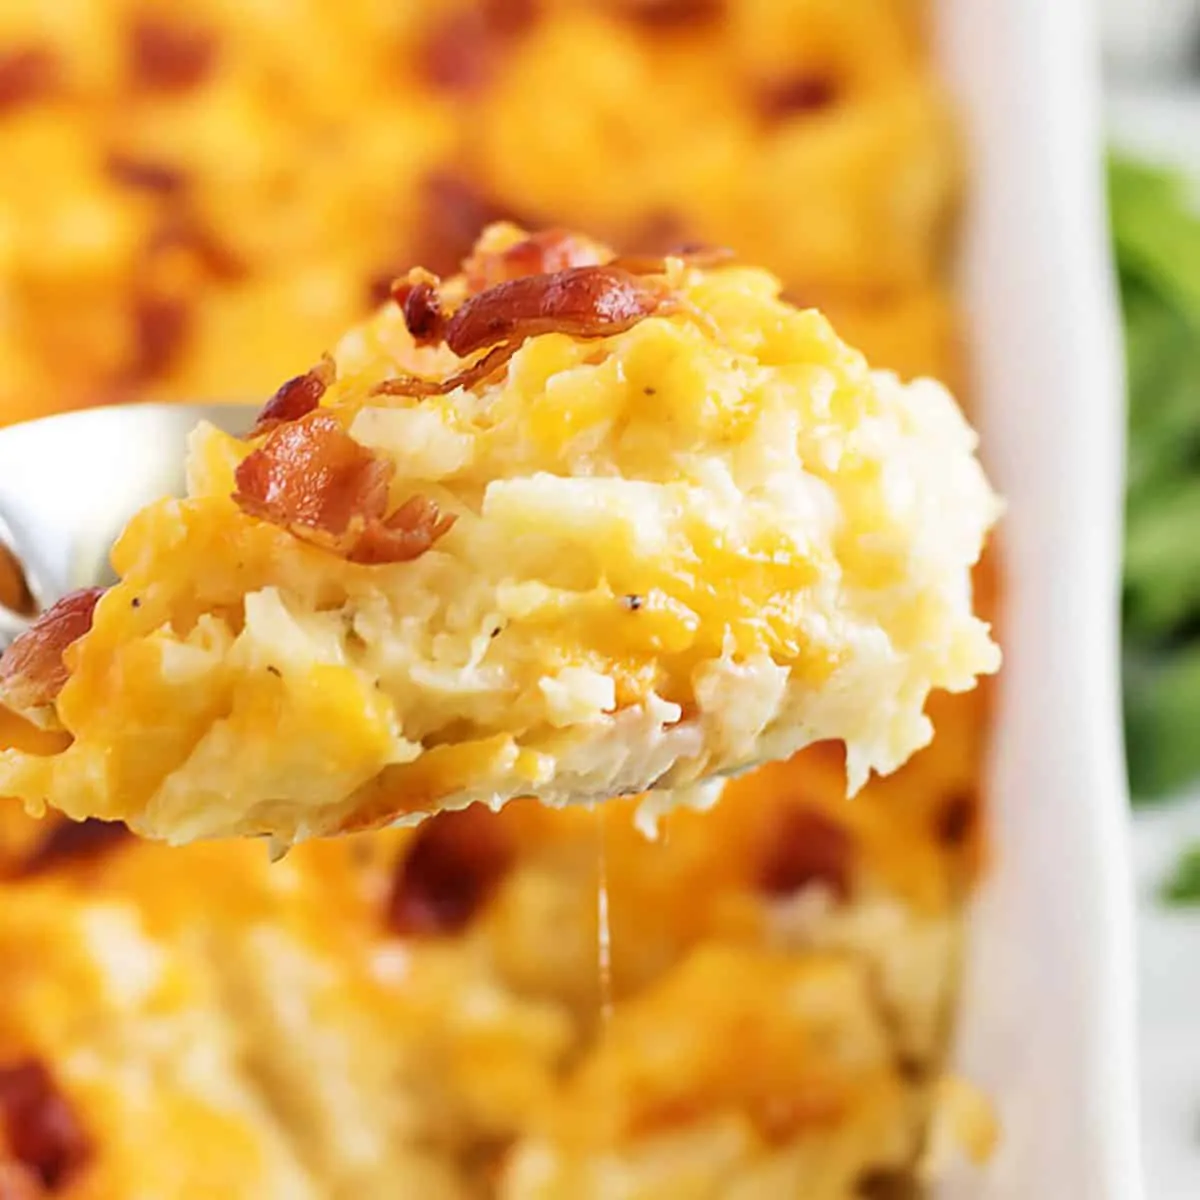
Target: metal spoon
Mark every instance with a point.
(68, 485)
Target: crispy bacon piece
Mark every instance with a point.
(888, 1184)
(585, 300)
(70, 842)
(672, 14)
(805, 848)
(480, 371)
(296, 398)
(169, 57)
(161, 326)
(462, 49)
(32, 670)
(451, 869)
(539, 254)
(42, 1131)
(313, 479)
(458, 52)
(956, 819)
(797, 96)
(18, 1182)
(419, 299)
(27, 74)
(144, 174)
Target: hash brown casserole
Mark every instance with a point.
(205, 200)
(637, 524)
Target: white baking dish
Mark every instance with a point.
(1048, 1010)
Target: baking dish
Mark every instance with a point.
(1047, 1013)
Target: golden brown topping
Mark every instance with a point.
(806, 848)
(540, 254)
(144, 174)
(793, 97)
(70, 842)
(451, 869)
(296, 398)
(26, 76)
(169, 57)
(43, 1132)
(32, 670)
(313, 479)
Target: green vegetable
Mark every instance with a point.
(1182, 886)
(1156, 235)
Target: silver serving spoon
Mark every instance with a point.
(69, 483)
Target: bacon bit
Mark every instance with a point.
(583, 302)
(144, 174)
(414, 388)
(296, 398)
(170, 58)
(419, 300)
(458, 52)
(313, 479)
(887, 1184)
(794, 97)
(805, 848)
(461, 50)
(955, 819)
(161, 326)
(32, 670)
(43, 1132)
(673, 14)
(451, 869)
(511, 17)
(540, 254)
(453, 214)
(27, 76)
(19, 1183)
(182, 232)
(71, 842)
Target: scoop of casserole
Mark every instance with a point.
(565, 525)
